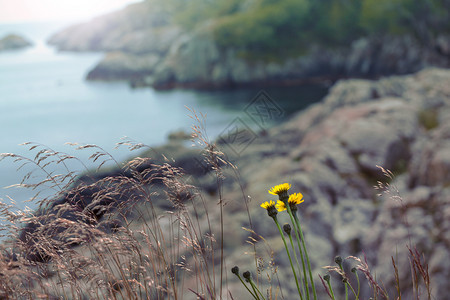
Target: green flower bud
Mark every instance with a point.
(272, 211)
(338, 260)
(287, 229)
(235, 270)
(284, 196)
(293, 207)
(246, 275)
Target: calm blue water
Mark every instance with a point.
(44, 98)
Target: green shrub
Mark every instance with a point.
(266, 29)
(428, 118)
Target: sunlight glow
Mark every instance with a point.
(12, 11)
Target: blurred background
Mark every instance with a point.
(93, 72)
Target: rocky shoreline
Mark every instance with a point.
(330, 153)
(151, 51)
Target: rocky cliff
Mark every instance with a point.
(154, 51)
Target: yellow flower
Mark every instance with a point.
(280, 205)
(294, 199)
(270, 206)
(279, 189)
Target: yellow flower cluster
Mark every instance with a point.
(279, 190)
(289, 203)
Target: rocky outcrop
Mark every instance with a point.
(330, 152)
(13, 42)
(119, 66)
(195, 60)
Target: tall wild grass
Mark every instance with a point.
(142, 230)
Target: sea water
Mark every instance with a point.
(45, 99)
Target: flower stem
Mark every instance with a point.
(289, 256)
(298, 227)
(305, 276)
(298, 264)
(346, 290)
(359, 286)
(354, 293)
(255, 288)
(338, 260)
(331, 290)
(253, 295)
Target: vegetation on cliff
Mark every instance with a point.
(267, 27)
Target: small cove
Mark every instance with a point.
(45, 99)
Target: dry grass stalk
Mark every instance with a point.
(101, 237)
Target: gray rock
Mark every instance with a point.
(431, 160)
(189, 60)
(13, 42)
(350, 226)
(121, 66)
